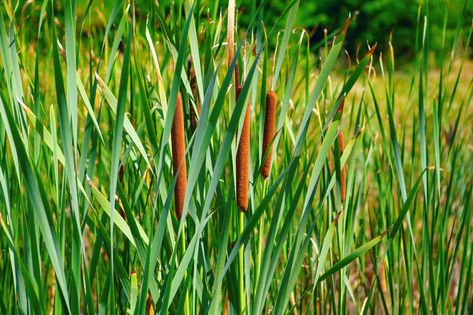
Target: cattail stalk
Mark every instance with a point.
(269, 125)
(343, 171)
(192, 114)
(178, 156)
(231, 31)
(231, 42)
(243, 161)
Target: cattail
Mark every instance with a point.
(343, 174)
(121, 172)
(192, 114)
(343, 171)
(243, 161)
(269, 125)
(178, 156)
(149, 305)
(237, 79)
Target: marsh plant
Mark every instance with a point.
(162, 158)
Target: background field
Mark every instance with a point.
(367, 208)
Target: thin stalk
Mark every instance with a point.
(186, 297)
(241, 261)
(259, 251)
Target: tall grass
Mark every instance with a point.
(355, 178)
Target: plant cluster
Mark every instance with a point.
(184, 165)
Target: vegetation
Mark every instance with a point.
(161, 159)
(373, 21)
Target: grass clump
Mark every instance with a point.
(355, 181)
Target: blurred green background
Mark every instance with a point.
(373, 21)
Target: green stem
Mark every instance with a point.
(186, 301)
(242, 269)
(260, 241)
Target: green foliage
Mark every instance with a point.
(373, 20)
(368, 205)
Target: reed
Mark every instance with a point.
(178, 156)
(268, 135)
(243, 160)
(87, 220)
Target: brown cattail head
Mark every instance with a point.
(178, 156)
(121, 172)
(237, 80)
(243, 161)
(269, 125)
(343, 174)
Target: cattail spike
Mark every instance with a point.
(237, 79)
(243, 161)
(149, 305)
(269, 125)
(178, 156)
